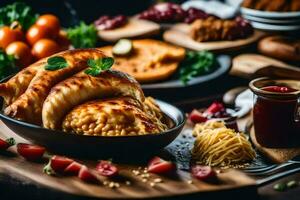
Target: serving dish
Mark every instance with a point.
(267, 14)
(99, 146)
(179, 35)
(224, 62)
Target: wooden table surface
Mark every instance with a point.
(11, 188)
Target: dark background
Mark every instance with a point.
(87, 10)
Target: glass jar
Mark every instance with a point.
(276, 115)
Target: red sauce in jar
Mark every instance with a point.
(275, 119)
(279, 89)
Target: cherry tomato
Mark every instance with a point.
(86, 175)
(107, 169)
(73, 168)
(44, 48)
(63, 41)
(214, 108)
(5, 144)
(30, 151)
(50, 21)
(197, 117)
(35, 33)
(21, 52)
(204, 173)
(9, 35)
(60, 163)
(160, 166)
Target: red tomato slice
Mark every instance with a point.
(214, 108)
(30, 151)
(160, 166)
(203, 173)
(5, 144)
(86, 175)
(60, 163)
(197, 117)
(73, 168)
(106, 168)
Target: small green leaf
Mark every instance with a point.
(55, 63)
(107, 63)
(99, 65)
(48, 169)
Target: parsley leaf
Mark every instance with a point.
(7, 65)
(55, 63)
(83, 35)
(19, 12)
(196, 64)
(99, 65)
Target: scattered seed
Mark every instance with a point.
(139, 168)
(128, 183)
(145, 171)
(117, 185)
(152, 184)
(105, 183)
(144, 180)
(280, 187)
(145, 175)
(111, 185)
(136, 172)
(190, 182)
(157, 180)
(292, 184)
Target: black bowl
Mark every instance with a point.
(99, 146)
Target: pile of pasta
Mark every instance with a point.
(216, 145)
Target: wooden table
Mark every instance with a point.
(14, 188)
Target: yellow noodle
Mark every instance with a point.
(217, 145)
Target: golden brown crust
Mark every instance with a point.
(112, 117)
(81, 88)
(151, 60)
(28, 107)
(18, 84)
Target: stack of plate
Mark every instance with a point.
(272, 21)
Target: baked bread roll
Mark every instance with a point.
(28, 107)
(81, 88)
(280, 47)
(121, 116)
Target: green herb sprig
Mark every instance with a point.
(195, 64)
(56, 63)
(19, 12)
(83, 35)
(99, 65)
(7, 65)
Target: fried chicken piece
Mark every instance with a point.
(121, 116)
(81, 88)
(277, 5)
(28, 107)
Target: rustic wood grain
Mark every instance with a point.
(253, 65)
(179, 35)
(176, 185)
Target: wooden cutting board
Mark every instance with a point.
(179, 35)
(277, 155)
(254, 65)
(135, 28)
(176, 185)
